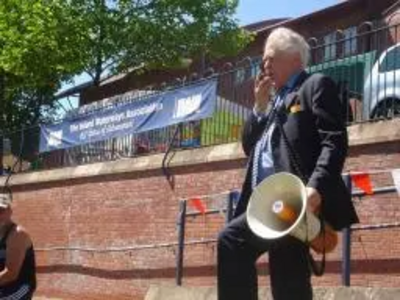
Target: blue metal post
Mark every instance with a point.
(181, 242)
(232, 198)
(346, 243)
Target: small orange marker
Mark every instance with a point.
(284, 212)
(295, 108)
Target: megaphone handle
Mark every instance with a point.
(318, 270)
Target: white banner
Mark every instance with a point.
(396, 179)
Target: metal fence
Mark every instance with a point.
(231, 200)
(365, 66)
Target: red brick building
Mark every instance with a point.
(349, 20)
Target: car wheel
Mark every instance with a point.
(387, 109)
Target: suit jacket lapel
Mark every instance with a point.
(292, 96)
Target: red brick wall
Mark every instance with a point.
(141, 209)
(376, 254)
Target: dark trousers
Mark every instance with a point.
(238, 250)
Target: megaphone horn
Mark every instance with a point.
(278, 206)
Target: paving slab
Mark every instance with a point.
(167, 292)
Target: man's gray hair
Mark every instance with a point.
(288, 41)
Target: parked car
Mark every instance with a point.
(382, 86)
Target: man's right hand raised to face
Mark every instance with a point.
(262, 90)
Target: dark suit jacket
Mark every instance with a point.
(317, 133)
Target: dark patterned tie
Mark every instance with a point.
(263, 165)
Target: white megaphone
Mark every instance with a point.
(278, 206)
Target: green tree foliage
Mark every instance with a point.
(130, 34)
(46, 42)
(38, 50)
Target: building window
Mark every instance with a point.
(330, 46)
(255, 66)
(248, 70)
(350, 43)
(364, 37)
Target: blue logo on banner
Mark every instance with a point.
(189, 103)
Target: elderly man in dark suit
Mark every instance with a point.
(298, 129)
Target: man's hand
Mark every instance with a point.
(262, 87)
(313, 200)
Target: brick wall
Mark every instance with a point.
(135, 209)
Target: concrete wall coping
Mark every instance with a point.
(169, 292)
(225, 152)
(361, 134)
(374, 133)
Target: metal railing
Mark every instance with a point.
(365, 66)
(231, 200)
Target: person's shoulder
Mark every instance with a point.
(319, 79)
(20, 235)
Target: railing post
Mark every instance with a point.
(232, 198)
(1, 151)
(346, 243)
(181, 241)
